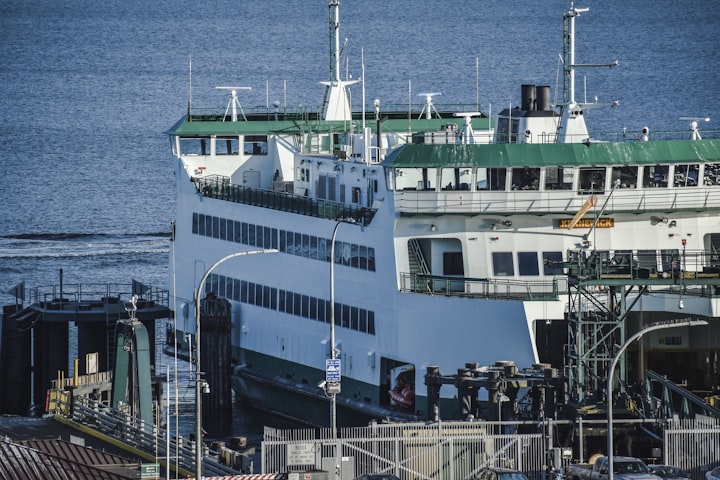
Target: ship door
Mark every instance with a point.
(397, 384)
(251, 179)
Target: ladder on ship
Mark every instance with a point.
(112, 316)
(418, 264)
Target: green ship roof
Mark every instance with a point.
(567, 154)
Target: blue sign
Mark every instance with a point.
(332, 370)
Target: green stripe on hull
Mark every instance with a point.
(357, 404)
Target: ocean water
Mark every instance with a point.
(89, 89)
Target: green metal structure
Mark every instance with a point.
(132, 383)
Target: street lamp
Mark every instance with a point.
(334, 388)
(201, 386)
(649, 328)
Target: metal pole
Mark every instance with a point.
(167, 424)
(333, 395)
(609, 401)
(199, 383)
(333, 352)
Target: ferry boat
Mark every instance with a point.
(398, 241)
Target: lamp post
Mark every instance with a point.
(334, 388)
(200, 384)
(649, 328)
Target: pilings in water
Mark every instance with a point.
(216, 352)
(16, 361)
(35, 340)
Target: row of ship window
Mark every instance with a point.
(292, 303)
(584, 179)
(527, 262)
(552, 262)
(303, 245)
(251, 145)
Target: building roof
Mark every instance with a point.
(22, 462)
(42, 448)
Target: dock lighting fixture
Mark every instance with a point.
(611, 372)
(201, 385)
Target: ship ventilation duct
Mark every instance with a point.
(528, 98)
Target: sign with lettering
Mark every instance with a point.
(301, 454)
(150, 470)
(604, 222)
(332, 370)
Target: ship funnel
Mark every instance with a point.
(528, 98)
(542, 102)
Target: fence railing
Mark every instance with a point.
(459, 450)
(131, 431)
(693, 445)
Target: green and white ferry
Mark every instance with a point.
(431, 237)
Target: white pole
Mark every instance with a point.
(609, 400)
(167, 424)
(333, 395)
(333, 352)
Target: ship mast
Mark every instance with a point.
(572, 127)
(336, 104)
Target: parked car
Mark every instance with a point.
(377, 476)
(669, 472)
(624, 468)
(500, 474)
(713, 474)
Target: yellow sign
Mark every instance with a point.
(605, 222)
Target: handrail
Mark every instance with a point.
(132, 432)
(480, 287)
(80, 293)
(217, 186)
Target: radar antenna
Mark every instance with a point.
(467, 136)
(694, 133)
(234, 103)
(429, 107)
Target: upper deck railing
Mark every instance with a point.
(497, 289)
(315, 112)
(217, 186)
(565, 202)
(80, 296)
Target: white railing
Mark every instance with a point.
(556, 201)
(693, 445)
(438, 451)
(459, 450)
